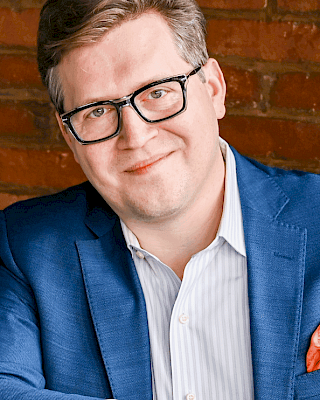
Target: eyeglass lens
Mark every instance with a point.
(154, 104)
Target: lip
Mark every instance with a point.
(143, 167)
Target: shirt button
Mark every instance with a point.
(190, 396)
(140, 255)
(183, 320)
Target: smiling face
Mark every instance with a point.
(148, 172)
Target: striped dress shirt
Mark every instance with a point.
(199, 327)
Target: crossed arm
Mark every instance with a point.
(23, 374)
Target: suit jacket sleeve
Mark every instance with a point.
(21, 374)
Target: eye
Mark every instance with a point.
(97, 112)
(157, 94)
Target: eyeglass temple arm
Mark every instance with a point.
(195, 71)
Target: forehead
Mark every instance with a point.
(130, 55)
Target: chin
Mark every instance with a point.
(153, 211)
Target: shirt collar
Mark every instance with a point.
(231, 224)
(130, 237)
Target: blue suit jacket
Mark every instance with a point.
(73, 322)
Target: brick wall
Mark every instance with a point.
(269, 51)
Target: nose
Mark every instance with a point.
(134, 132)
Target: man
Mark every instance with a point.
(182, 270)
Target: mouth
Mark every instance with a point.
(146, 165)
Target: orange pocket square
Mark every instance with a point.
(313, 355)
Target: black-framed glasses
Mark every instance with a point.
(156, 102)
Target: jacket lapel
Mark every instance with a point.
(276, 260)
(117, 307)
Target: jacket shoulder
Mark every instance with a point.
(51, 206)
(294, 183)
(62, 212)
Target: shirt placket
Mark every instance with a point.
(182, 329)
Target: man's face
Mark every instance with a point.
(148, 172)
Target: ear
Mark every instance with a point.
(216, 86)
(67, 136)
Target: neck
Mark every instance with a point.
(175, 240)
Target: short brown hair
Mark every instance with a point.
(68, 24)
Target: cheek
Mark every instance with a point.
(203, 102)
(203, 131)
(95, 162)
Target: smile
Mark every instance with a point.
(144, 166)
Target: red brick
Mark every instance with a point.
(6, 199)
(274, 41)
(17, 120)
(242, 85)
(299, 5)
(19, 29)
(233, 4)
(44, 168)
(297, 90)
(19, 71)
(265, 137)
